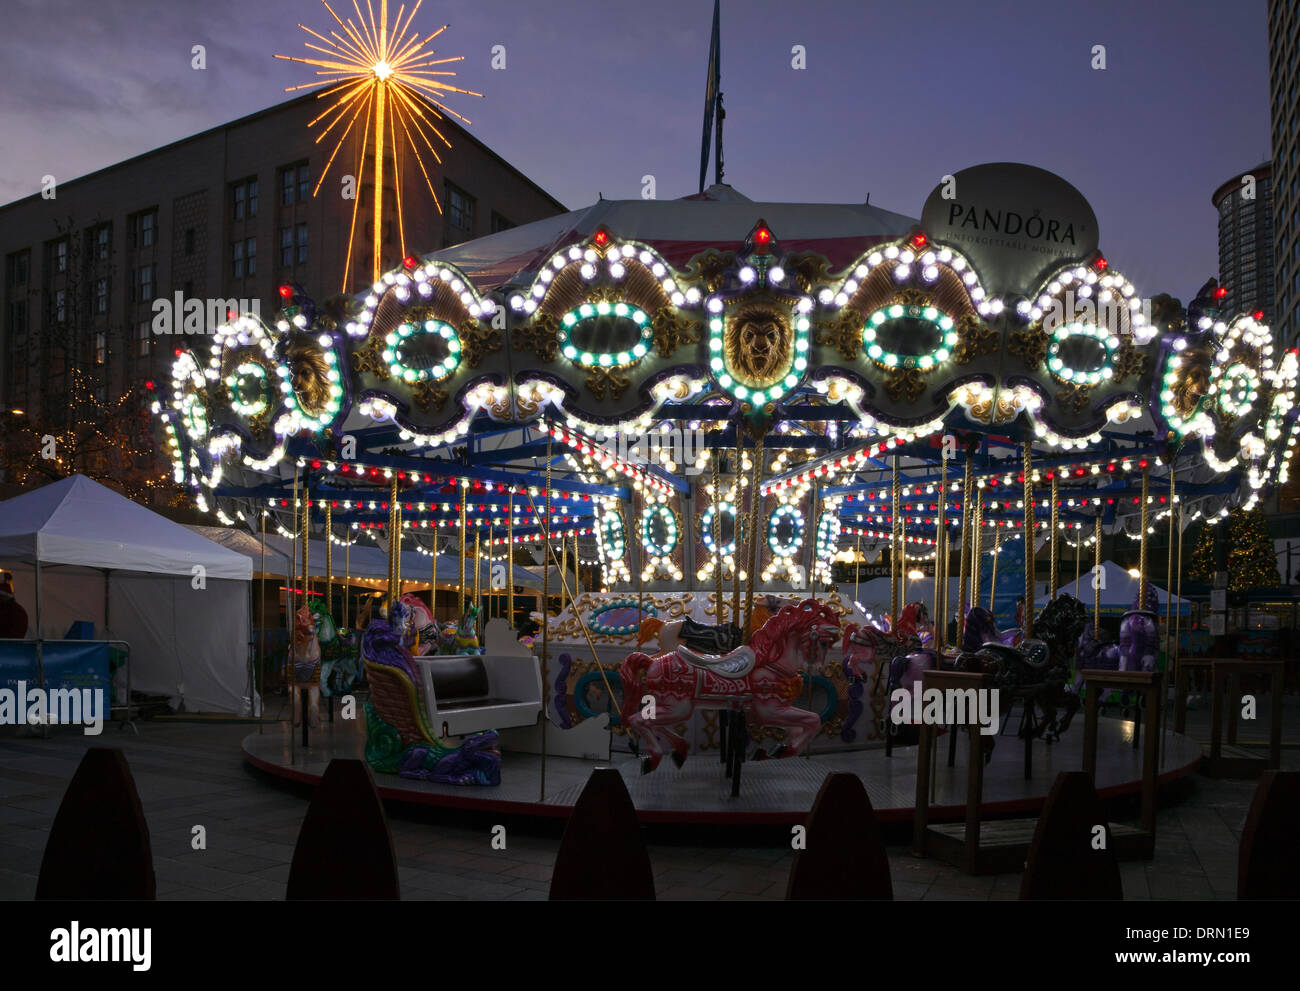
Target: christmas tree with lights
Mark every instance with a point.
(1252, 561)
(1201, 568)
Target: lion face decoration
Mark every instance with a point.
(759, 345)
(309, 376)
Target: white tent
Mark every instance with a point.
(80, 551)
(1118, 590)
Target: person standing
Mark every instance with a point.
(13, 617)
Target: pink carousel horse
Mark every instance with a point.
(762, 677)
(304, 654)
(424, 638)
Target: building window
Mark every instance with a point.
(302, 243)
(60, 305)
(143, 226)
(61, 256)
(295, 184)
(244, 258)
(144, 284)
(102, 235)
(18, 317)
(142, 338)
(101, 296)
(286, 246)
(244, 199)
(460, 208)
(499, 223)
(17, 268)
(101, 347)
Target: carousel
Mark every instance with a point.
(704, 422)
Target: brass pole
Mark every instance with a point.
(564, 566)
(1142, 545)
(347, 575)
(902, 561)
(977, 537)
(718, 607)
(1055, 550)
(812, 556)
(464, 494)
(261, 623)
(397, 559)
(547, 557)
(756, 507)
(329, 558)
(941, 557)
(291, 602)
(1078, 557)
(1029, 536)
(1169, 570)
(963, 588)
(993, 576)
(738, 530)
(306, 538)
(478, 577)
(857, 570)
(947, 572)
(1096, 571)
(510, 557)
(895, 508)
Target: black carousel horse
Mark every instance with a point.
(1037, 672)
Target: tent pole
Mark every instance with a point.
(40, 640)
(510, 557)
(546, 612)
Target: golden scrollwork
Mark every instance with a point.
(809, 270)
(541, 335)
(844, 334)
(1030, 344)
(1074, 396)
(611, 381)
(428, 394)
(671, 331)
(477, 340)
(1129, 361)
(370, 358)
(975, 338)
(904, 384)
(709, 267)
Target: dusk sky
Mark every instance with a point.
(596, 95)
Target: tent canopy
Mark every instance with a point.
(678, 230)
(77, 521)
(1119, 589)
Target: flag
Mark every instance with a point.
(711, 92)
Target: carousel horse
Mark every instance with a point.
(425, 631)
(704, 638)
(762, 677)
(1037, 671)
(908, 647)
(398, 738)
(1139, 637)
(466, 637)
(1096, 653)
(304, 654)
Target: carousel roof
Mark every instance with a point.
(677, 230)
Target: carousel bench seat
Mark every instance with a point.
(470, 693)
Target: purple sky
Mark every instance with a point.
(595, 95)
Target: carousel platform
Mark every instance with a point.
(773, 793)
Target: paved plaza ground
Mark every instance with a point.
(191, 773)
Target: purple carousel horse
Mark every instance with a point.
(1139, 638)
